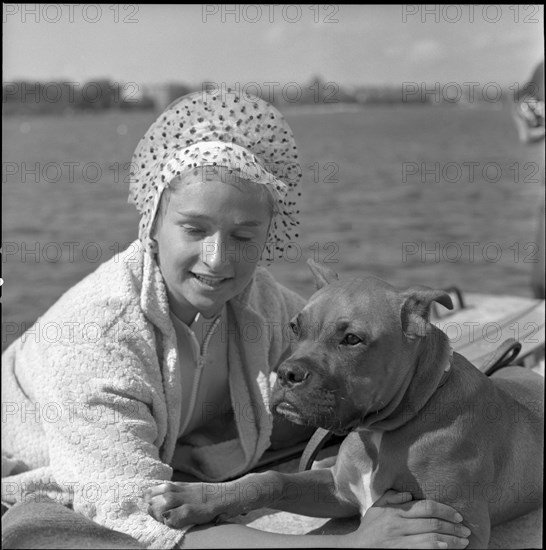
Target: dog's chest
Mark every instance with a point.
(363, 467)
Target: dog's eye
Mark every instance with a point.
(351, 340)
(295, 328)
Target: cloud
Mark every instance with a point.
(426, 50)
(275, 35)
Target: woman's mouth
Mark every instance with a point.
(209, 282)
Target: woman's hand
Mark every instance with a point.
(397, 521)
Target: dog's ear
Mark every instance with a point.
(415, 312)
(323, 275)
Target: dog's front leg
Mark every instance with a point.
(312, 493)
(477, 519)
(178, 504)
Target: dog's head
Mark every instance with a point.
(354, 344)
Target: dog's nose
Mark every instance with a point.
(292, 375)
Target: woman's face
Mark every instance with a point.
(210, 238)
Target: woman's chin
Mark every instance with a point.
(207, 300)
(207, 306)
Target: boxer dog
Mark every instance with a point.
(367, 362)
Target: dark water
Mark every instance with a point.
(427, 195)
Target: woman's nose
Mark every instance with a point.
(214, 253)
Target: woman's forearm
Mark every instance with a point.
(232, 535)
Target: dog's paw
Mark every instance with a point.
(180, 504)
(189, 514)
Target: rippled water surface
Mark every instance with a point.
(428, 195)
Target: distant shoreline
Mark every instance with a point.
(287, 108)
(360, 107)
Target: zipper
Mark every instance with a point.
(199, 372)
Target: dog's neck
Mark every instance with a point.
(432, 365)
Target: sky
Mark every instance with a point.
(242, 43)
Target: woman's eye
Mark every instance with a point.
(191, 230)
(351, 340)
(243, 238)
(294, 328)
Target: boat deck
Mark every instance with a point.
(486, 320)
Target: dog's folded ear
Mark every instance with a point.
(323, 274)
(415, 311)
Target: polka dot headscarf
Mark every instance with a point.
(245, 134)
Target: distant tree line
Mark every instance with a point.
(65, 97)
(60, 97)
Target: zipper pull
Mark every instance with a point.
(201, 362)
